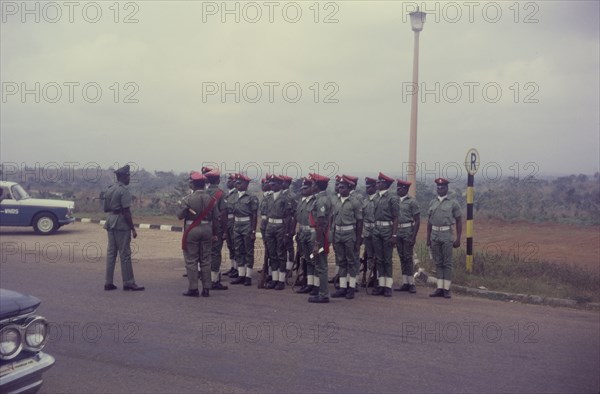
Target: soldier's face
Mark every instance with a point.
(442, 190)
(242, 186)
(382, 185)
(266, 187)
(371, 189)
(402, 190)
(124, 179)
(275, 186)
(344, 190)
(306, 190)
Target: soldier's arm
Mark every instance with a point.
(458, 232)
(416, 226)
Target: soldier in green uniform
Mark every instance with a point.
(306, 236)
(347, 221)
(285, 189)
(279, 209)
(369, 220)
(245, 211)
(228, 235)
(335, 200)
(320, 215)
(443, 214)
(262, 209)
(409, 221)
(200, 214)
(119, 227)
(214, 178)
(385, 233)
(361, 200)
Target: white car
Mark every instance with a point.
(17, 208)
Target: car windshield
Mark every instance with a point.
(19, 193)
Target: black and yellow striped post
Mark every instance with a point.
(472, 165)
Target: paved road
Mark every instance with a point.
(246, 339)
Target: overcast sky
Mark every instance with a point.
(519, 81)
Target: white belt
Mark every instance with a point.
(369, 225)
(263, 217)
(189, 222)
(230, 216)
(441, 228)
(404, 225)
(275, 221)
(242, 218)
(344, 228)
(383, 223)
(307, 228)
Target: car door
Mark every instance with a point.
(9, 209)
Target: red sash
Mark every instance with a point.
(203, 214)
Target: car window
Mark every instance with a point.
(19, 193)
(5, 194)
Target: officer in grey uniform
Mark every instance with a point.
(409, 221)
(385, 233)
(200, 214)
(347, 232)
(369, 220)
(279, 210)
(245, 211)
(306, 236)
(119, 227)
(320, 215)
(443, 214)
(214, 178)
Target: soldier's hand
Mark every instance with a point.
(315, 250)
(456, 244)
(428, 243)
(392, 241)
(410, 241)
(253, 236)
(214, 238)
(133, 233)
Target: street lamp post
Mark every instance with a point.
(417, 19)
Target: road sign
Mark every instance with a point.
(472, 161)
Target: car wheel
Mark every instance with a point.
(45, 223)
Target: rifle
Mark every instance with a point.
(299, 268)
(265, 269)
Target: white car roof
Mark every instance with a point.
(7, 183)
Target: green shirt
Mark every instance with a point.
(443, 213)
(221, 204)
(198, 201)
(246, 205)
(116, 198)
(304, 207)
(347, 212)
(387, 207)
(408, 208)
(279, 208)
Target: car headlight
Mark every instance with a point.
(36, 333)
(10, 342)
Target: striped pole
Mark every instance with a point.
(470, 194)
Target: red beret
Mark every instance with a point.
(370, 181)
(212, 174)
(307, 181)
(403, 182)
(206, 169)
(286, 178)
(385, 178)
(196, 176)
(318, 178)
(242, 177)
(352, 178)
(263, 181)
(338, 178)
(274, 177)
(347, 180)
(442, 181)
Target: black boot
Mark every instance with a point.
(339, 293)
(248, 281)
(238, 281)
(378, 291)
(305, 289)
(314, 291)
(350, 293)
(218, 286)
(437, 293)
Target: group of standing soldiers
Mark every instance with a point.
(382, 221)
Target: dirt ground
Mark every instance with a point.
(560, 243)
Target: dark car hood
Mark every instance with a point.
(13, 303)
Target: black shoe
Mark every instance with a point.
(404, 287)
(378, 291)
(280, 286)
(305, 289)
(339, 293)
(314, 291)
(238, 281)
(191, 293)
(447, 294)
(350, 293)
(336, 285)
(387, 292)
(218, 286)
(272, 284)
(133, 287)
(318, 299)
(234, 274)
(110, 287)
(229, 272)
(184, 275)
(248, 281)
(204, 293)
(412, 289)
(437, 293)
